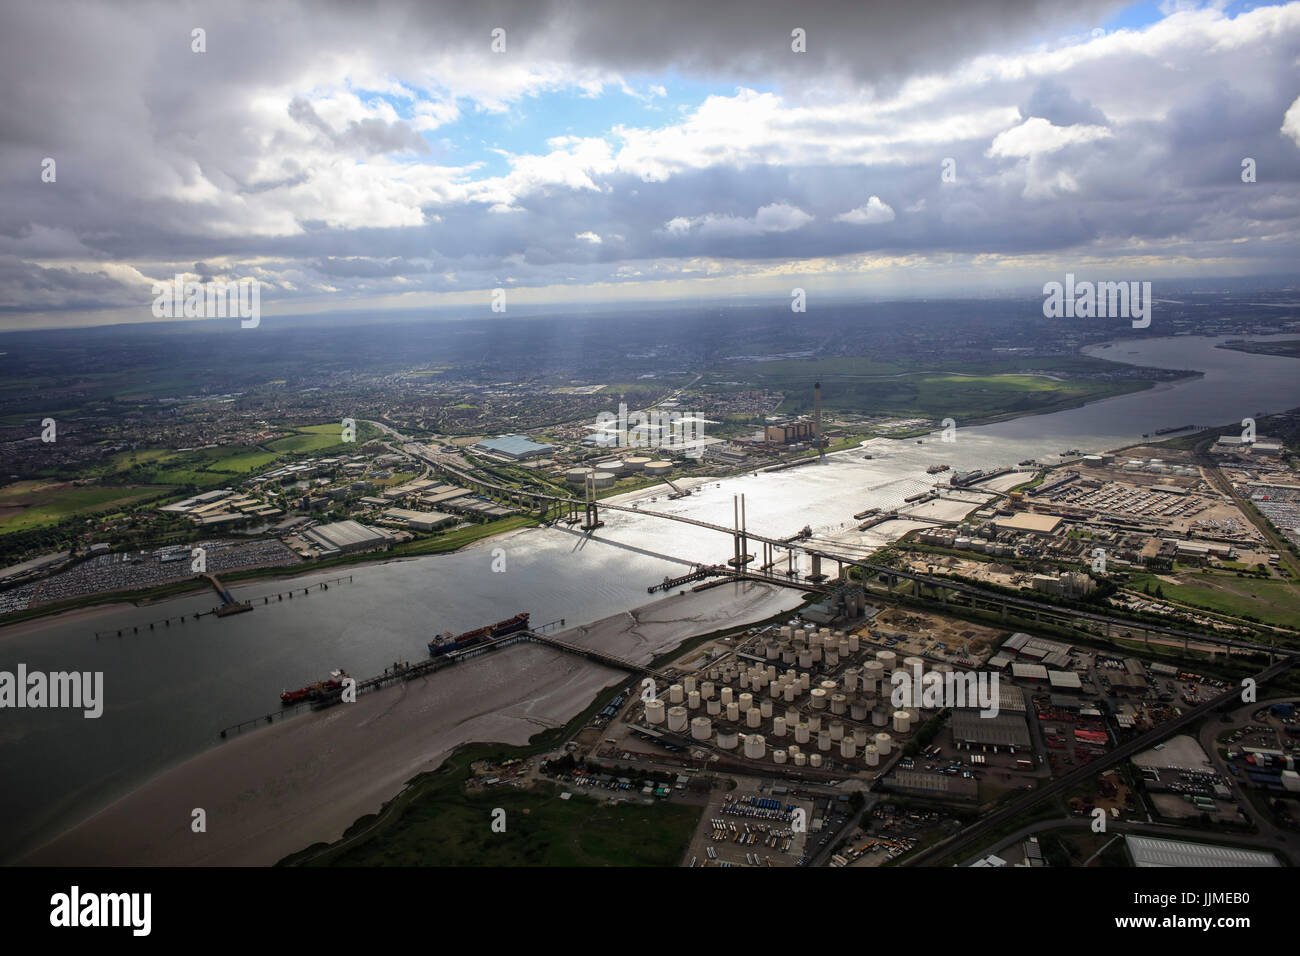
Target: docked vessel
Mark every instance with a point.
(935, 469)
(445, 643)
(317, 690)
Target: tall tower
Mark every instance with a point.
(817, 420)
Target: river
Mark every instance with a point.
(168, 691)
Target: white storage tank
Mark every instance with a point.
(880, 717)
(902, 721)
(772, 651)
(860, 736)
(701, 728)
(774, 689)
(815, 761)
(654, 712)
(658, 468)
(837, 731)
(801, 733)
(727, 695)
(706, 690)
(791, 692)
(755, 747)
(884, 743)
(791, 716)
(815, 722)
(727, 738)
(753, 718)
(675, 694)
(823, 740)
(805, 659)
(850, 680)
(818, 698)
(805, 682)
(888, 660)
(910, 664)
(733, 711)
(800, 759)
(635, 463)
(713, 707)
(778, 756)
(855, 643)
(765, 708)
(693, 700)
(690, 683)
(778, 726)
(677, 719)
(859, 710)
(832, 657)
(871, 755)
(848, 749)
(839, 703)
(746, 701)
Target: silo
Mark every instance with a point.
(713, 707)
(815, 760)
(677, 719)
(727, 695)
(706, 690)
(778, 756)
(818, 698)
(675, 694)
(815, 640)
(884, 743)
(765, 708)
(778, 726)
(693, 700)
(818, 654)
(902, 721)
(871, 755)
(824, 740)
(801, 733)
(753, 718)
(733, 711)
(755, 747)
(860, 736)
(654, 712)
(837, 731)
(701, 728)
(848, 749)
(859, 710)
(727, 738)
(746, 701)
(880, 717)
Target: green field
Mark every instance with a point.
(32, 504)
(314, 438)
(1270, 601)
(449, 828)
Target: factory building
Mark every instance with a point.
(790, 432)
(421, 520)
(969, 729)
(1151, 851)
(515, 447)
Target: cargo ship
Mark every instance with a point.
(445, 643)
(315, 691)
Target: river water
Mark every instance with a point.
(168, 691)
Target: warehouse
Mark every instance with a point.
(1150, 851)
(347, 537)
(515, 447)
(1004, 730)
(421, 520)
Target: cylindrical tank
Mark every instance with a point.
(871, 755)
(765, 708)
(772, 652)
(755, 747)
(800, 634)
(910, 664)
(659, 468)
(787, 632)
(837, 731)
(805, 659)
(778, 726)
(690, 683)
(848, 749)
(701, 728)
(791, 692)
(677, 719)
(771, 672)
(793, 749)
(873, 672)
(818, 698)
(654, 712)
(635, 463)
(577, 476)
(831, 656)
(753, 718)
(778, 756)
(801, 733)
(855, 643)
(746, 701)
(815, 722)
(859, 710)
(805, 682)
(788, 655)
(727, 695)
(693, 700)
(902, 721)
(860, 736)
(888, 660)
(839, 703)
(815, 760)
(713, 707)
(791, 716)
(727, 738)
(744, 680)
(824, 740)
(884, 743)
(706, 690)
(850, 680)
(774, 689)
(675, 694)
(880, 717)
(733, 711)
(800, 760)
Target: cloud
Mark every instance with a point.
(1291, 122)
(873, 212)
(778, 217)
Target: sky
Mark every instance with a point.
(422, 155)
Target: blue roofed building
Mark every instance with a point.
(514, 446)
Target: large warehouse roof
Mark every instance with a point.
(1150, 851)
(1004, 730)
(347, 534)
(516, 446)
